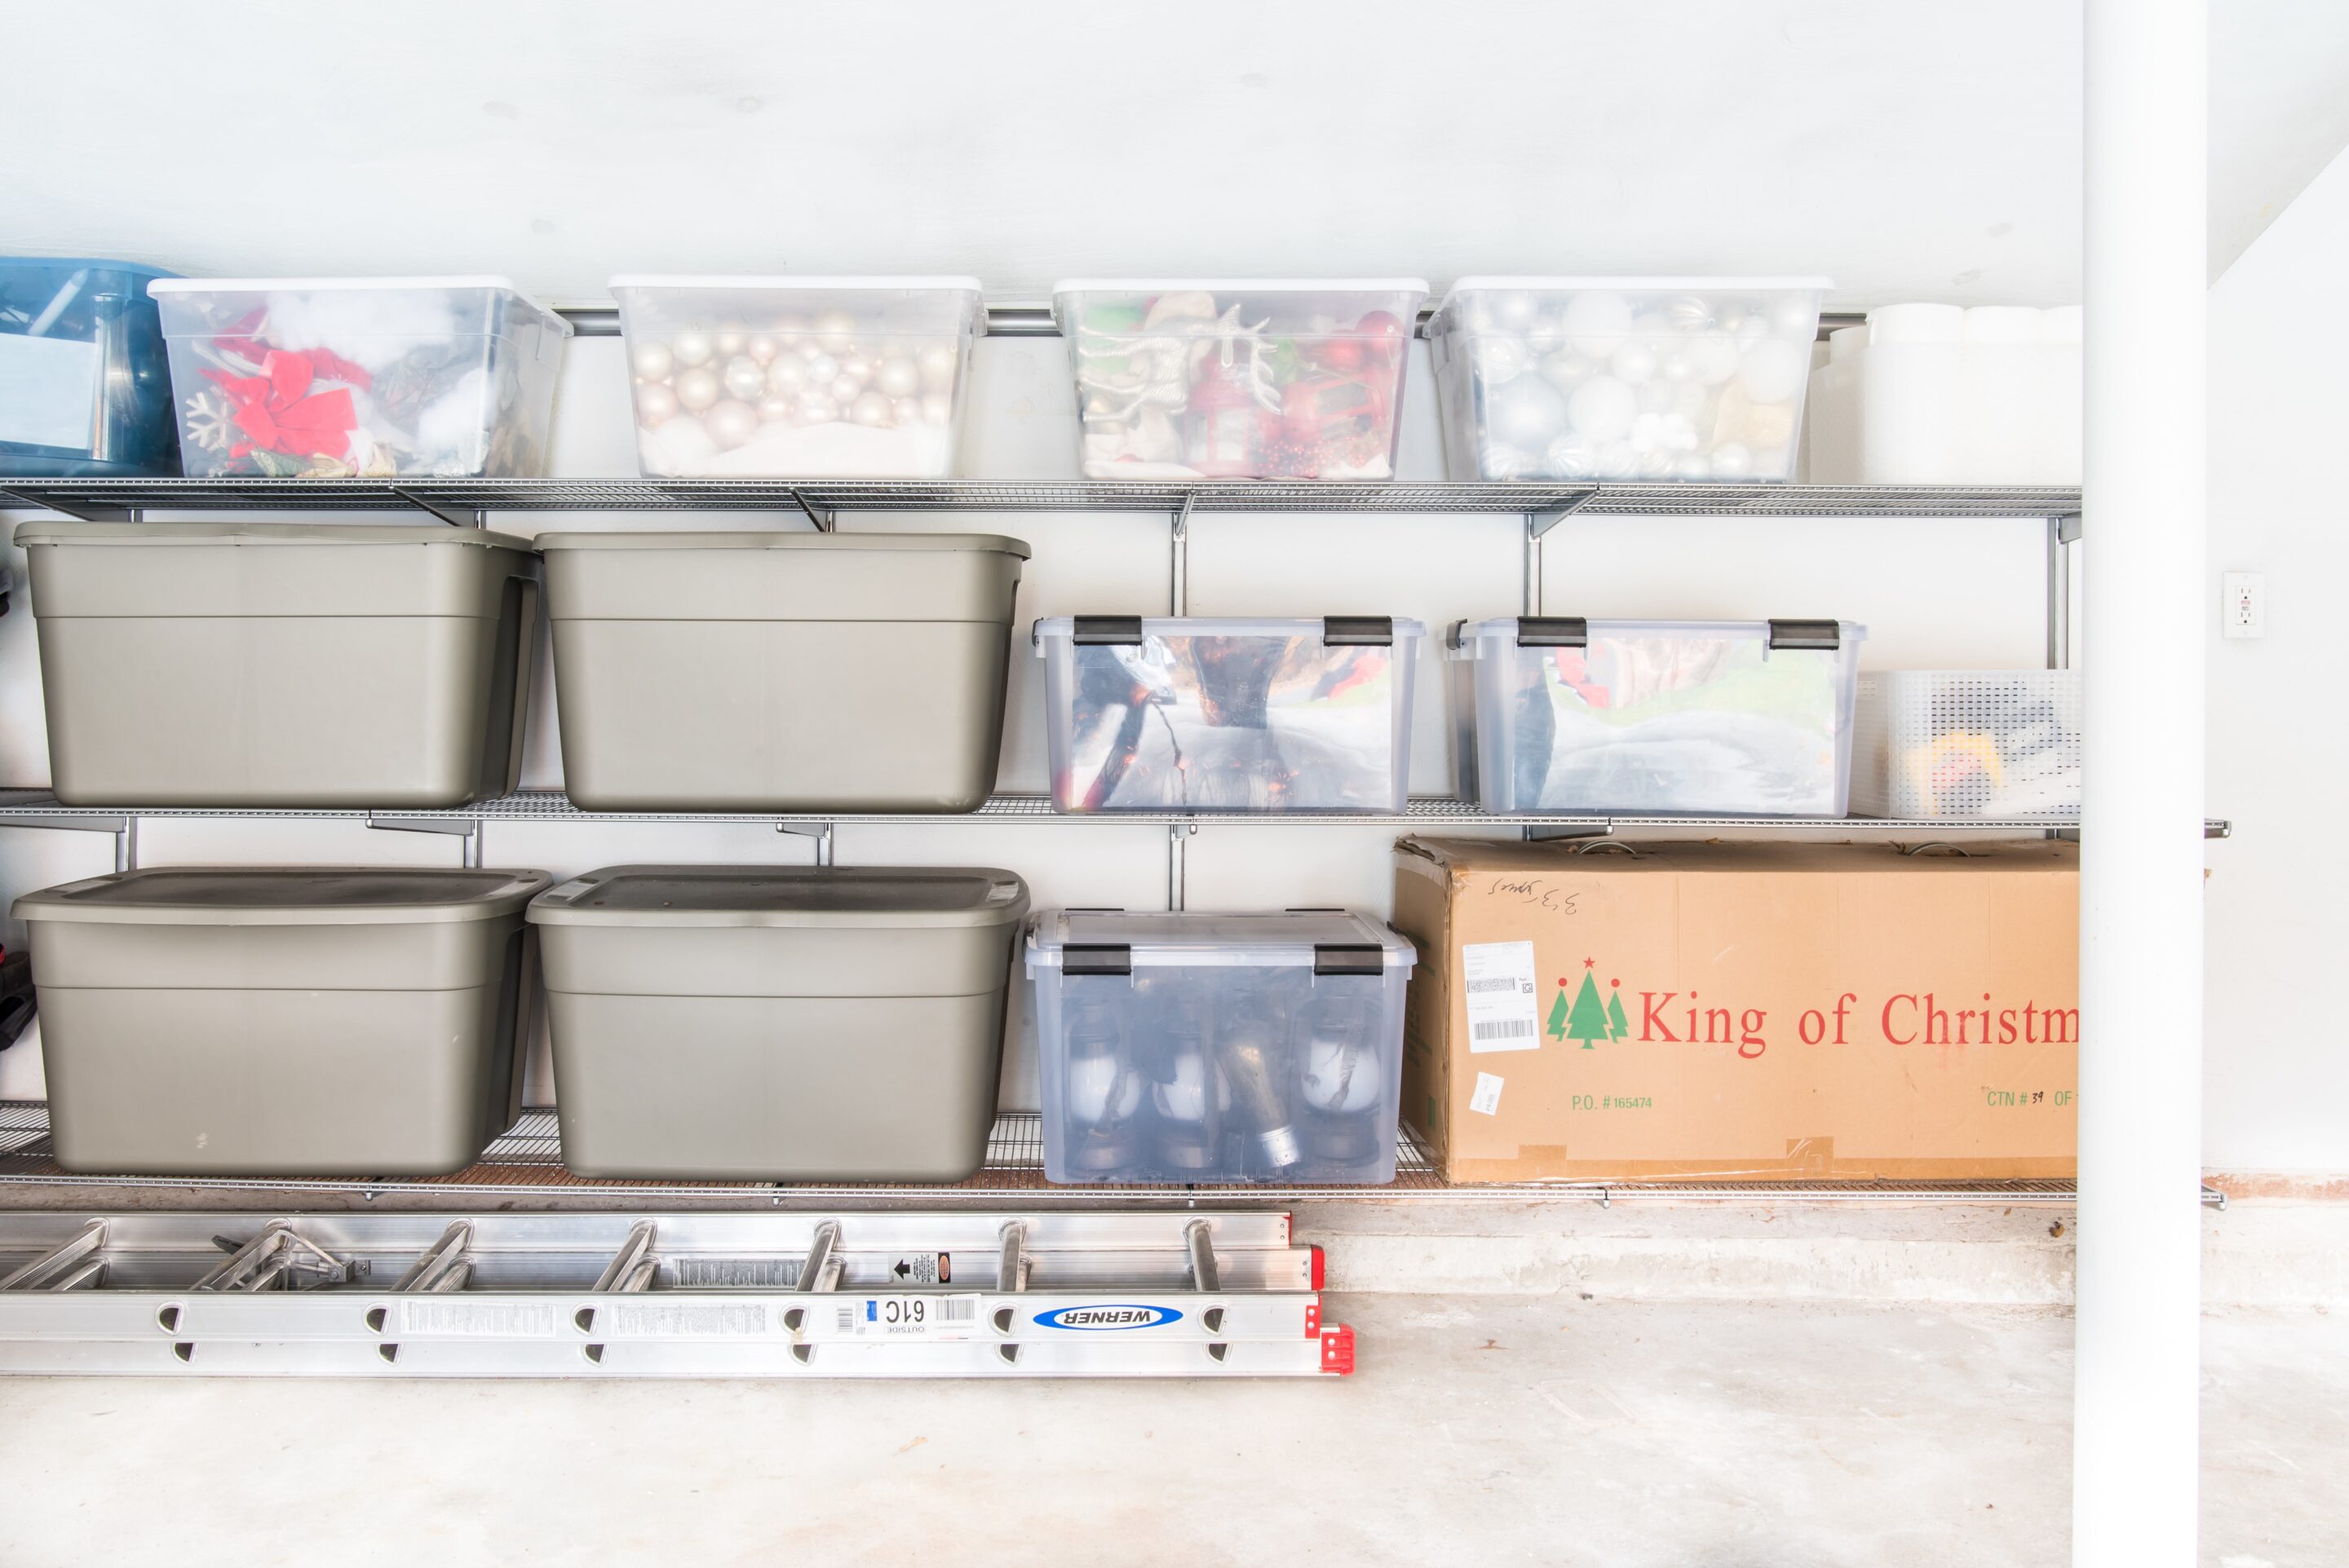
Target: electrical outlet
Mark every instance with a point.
(2244, 603)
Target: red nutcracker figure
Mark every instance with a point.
(1223, 425)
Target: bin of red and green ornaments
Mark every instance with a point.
(1201, 378)
(798, 377)
(361, 377)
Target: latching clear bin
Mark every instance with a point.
(1215, 378)
(1212, 714)
(1219, 1049)
(1663, 717)
(798, 377)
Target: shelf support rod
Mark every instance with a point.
(1178, 559)
(820, 831)
(823, 522)
(1179, 836)
(124, 829)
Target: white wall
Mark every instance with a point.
(2276, 1080)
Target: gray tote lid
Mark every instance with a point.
(54, 532)
(771, 540)
(266, 895)
(806, 896)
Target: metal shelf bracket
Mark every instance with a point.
(466, 828)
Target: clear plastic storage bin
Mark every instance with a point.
(1219, 1047)
(85, 388)
(361, 377)
(1967, 743)
(755, 377)
(1205, 714)
(1201, 378)
(1682, 717)
(1624, 378)
(1943, 395)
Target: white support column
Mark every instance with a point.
(2143, 620)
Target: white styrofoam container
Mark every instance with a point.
(1623, 378)
(798, 377)
(1218, 1048)
(448, 377)
(1967, 743)
(1238, 378)
(1219, 714)
(1710, 719)
(1938, 395)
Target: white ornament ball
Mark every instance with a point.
(1648, 432)
(905, 411)
(1796, 320)
(1602, 408)
(1653, 464)
(763, 349)
(1571, 457)
(815, 409)
(1679, 435)
(1516, 311)
(1731, 460)
(1617, 461)
(1527, 413)
(1675, 367)
(1339, 1077)
(776, 407)
(731, 422)
(1687, 313)
(1712, 357)
(822, 369)
(939, 364)
(1772, 370)
(1692, 400)
(1692, 465)
(787, 375)
(652, 362)
(1502, 462)
(693, 348)
(935, 408)
(856, 368)
(1546, 333)
(1500, 359)
(834, 331)
(729, 344)
(899, 376)
(697, 390)
(1658, 397)
(656, 403)
(1565, 369)
(869, 409)
(1597, 322)
(845, 388)
(745, 377)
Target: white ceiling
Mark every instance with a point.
(1908, 150)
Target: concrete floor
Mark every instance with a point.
(1491, 1429)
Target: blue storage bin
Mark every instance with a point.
(85, 388)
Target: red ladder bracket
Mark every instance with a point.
(1337, 1350)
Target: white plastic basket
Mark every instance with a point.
(1967, 743)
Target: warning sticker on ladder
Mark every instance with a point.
(922, 1269)
(908, 1316)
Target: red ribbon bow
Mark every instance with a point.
(279, 411)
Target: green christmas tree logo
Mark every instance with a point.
(1588, 1019)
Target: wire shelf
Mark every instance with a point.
(470, 500)
(527, 1161)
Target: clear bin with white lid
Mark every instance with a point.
(1698, 379)
(1662, 717)
(1967, 743)
(450, 377)
(1925, 394)
(1228, 714)
(1218, 1048)
(1237, 378)
(798, 377)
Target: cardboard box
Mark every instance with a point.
(1763, 1012)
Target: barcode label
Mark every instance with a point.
(911, 1316)
(1496, 980)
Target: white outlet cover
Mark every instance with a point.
(2243, 605)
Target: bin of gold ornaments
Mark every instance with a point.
(798, 377)
(1696, 379)
(1192, 378)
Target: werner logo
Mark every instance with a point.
(1110, 1314)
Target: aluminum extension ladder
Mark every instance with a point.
(877, 1295)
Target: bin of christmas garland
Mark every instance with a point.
(1967, 743)
(85, 389)
(791, 377)
(1197, 378)
(1623, 378)
(1218, 1048)
(1748, 718)
(361, 377)
(1223, 714)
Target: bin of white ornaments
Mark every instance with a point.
(1623, 378)
(1967, 743)
(791, 377)
(1943, 395)
(1203, 378)
(361, 377)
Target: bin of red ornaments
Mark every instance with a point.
(1196, 378)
